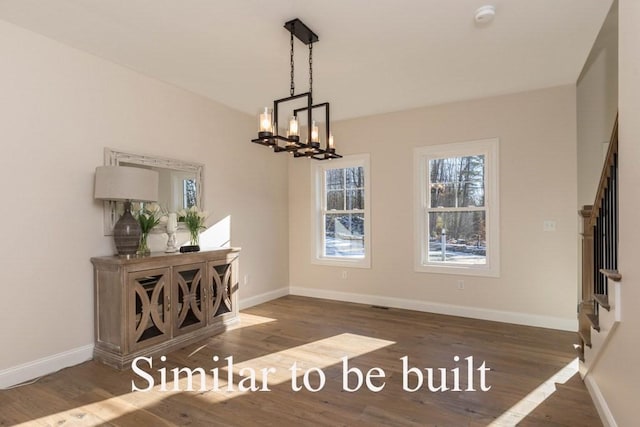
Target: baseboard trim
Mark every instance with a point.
(600, 403)
(440, 308)
(262, 298)
(47, 365)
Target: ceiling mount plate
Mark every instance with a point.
(301, 31)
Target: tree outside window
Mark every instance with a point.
(456, 212)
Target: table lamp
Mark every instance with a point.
(124, 183)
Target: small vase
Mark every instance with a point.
(194, 240)
(143, 249)
(194, 236)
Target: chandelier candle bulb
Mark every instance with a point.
(331, 143)
(293, 128)
(314, 132)
(266, 128)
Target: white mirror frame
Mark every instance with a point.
(115, 157)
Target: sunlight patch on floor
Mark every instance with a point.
(248, 320)
(317, 354)
(101, 412)
(526, 405)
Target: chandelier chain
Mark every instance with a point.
(311, 68)
(292, 88)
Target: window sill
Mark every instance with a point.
(342, 262)
(458, 270)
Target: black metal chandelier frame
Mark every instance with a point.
(292, 143)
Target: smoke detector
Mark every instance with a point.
(485, 14)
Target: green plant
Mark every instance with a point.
(194, 220)
(148, 216)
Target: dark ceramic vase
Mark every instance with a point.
(127, 232)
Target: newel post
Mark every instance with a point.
(587, 254)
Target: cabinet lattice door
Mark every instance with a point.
(149, 307)
(189, 296)
(221, 285)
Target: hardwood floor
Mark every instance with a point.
(524, 364)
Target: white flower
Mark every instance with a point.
(193, 209)
(153, 207)
(181, 213)
(203, 214)
(135, 206)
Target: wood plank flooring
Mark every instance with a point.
(525, 364)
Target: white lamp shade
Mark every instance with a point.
(126, 183)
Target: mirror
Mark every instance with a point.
(180, 183)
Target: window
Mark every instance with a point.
(189, 191)
(341, 212)
(456, 218)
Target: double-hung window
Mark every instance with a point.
(457, 208)
(340, 214)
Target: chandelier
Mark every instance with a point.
(301, 108)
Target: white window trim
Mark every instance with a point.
(317, 223)
(421, 155)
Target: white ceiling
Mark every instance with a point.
(373, 56)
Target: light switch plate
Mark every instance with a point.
(549, 225)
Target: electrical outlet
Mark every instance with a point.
(344, 274)
(549, 225)
(460, 285)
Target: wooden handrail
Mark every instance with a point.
(612, 151)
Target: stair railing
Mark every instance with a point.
(599, 245)
(604, 221)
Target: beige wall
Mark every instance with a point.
(59, 108)
(617, 374)
(597, 105)
(537, 132)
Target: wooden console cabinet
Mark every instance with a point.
(151, 305)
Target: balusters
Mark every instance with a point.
(604, 220)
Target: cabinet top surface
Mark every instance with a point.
(173, 258)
